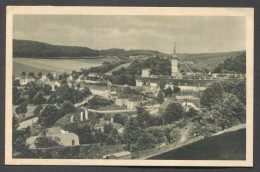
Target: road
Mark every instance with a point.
(83, 102)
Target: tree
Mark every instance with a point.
(174, 112)
(176, 89)
(31, 74)
(21, 109)
(131, 133)
(45, 142)
(145, 141)
(160, 97)
(39, 99)
(168, 92)
(98, 101)
(118, 118)
(15, 123)
(143, 118)
(192, 112)
(46, 89)
(16, 95)
(67, 107)
(37, 110)
(122, 80)
(39, 74)
(48, 116)
(162, 84)
(172, 135)
(230, 112)
(16, 82)
(23, 74)
(50, 76)
(212, 95)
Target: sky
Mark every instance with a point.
(192, 34)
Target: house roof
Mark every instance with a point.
(182, 82)
(184, 66)
(95, 87)
(54, 130)
(135, 98)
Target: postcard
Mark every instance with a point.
(129, 86)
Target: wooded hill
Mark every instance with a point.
(234, 64)
(34, 49)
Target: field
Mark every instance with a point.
(227, 146)
(53, 65)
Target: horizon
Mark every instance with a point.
(192, 34)
(133, 49)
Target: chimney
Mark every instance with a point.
(86, 114)
(81, 116)
(72, 119)
(112, 119)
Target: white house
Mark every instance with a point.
(65, 138)
(26, 80)
(145, 72)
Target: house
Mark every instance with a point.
(55, 85)
(100, 90)
(134, 101)
(81, 78)
(183, 97)
(145, 72)
(93, 75)
(121, 100)
(70, 78)
(185, 68)
(189, 104)
(65, 138)
(76, 117)
(26, 80)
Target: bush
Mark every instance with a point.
(45, 142)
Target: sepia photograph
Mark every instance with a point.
(128, 86)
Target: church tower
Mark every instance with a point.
(174, 63)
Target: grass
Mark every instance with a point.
(227, 146)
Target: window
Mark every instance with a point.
(73, 142)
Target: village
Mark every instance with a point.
(90, 108)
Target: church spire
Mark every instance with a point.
(174, 50)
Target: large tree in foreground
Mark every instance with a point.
(173, 112)
(48, 116)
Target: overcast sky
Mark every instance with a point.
(192, 34)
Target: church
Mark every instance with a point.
(174, 61)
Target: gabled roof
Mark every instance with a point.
(184, 66)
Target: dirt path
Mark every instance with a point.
(185, 132)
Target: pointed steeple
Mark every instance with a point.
(174, 51)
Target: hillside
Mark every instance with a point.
(234, 64)
(208, 60)
(34, 49)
